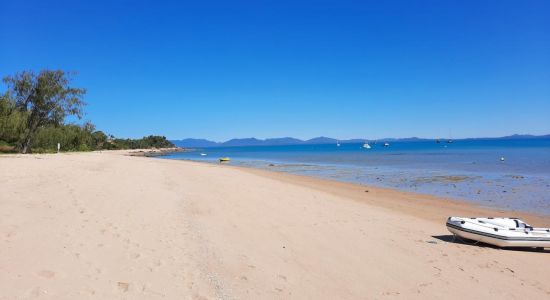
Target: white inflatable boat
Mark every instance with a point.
(501, 232)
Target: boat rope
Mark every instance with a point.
(463, 241)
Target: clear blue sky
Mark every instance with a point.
(224, 69)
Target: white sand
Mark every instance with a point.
(110, 226)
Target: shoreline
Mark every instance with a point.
(399, 200)
(154, 152)
(473, 173)
(354, 191)
(108, 225)
(147, 152)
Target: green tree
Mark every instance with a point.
(99, 139)
(12, 121)
(47, 99)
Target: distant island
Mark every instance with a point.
(203, 143)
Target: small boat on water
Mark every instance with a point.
(366, 146)
(203, 154)
(337, 143)
(500, 232)
(225, 159)
(386, 144)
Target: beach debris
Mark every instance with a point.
(366, 191)
(390, 293)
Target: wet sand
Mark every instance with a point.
(112, 226)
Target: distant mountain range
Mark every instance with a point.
(202, 143)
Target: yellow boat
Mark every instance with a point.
(222, 159)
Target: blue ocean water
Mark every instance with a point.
(470, 170)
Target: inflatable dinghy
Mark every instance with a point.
(501, 232)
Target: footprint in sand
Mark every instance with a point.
(123, 286)
(37, 292)
(46, 274)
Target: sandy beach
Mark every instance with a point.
(113, 226)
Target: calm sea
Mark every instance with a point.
(471, 170)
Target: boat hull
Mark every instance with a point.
(499, 236)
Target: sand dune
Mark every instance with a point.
(110, 226)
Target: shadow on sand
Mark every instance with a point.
(449, 238)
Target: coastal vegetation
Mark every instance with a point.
(33, 117)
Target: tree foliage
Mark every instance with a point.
(12, 121)
(151, 141)
(33, 112)
(47, 99)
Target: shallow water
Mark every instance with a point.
(470, 170)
